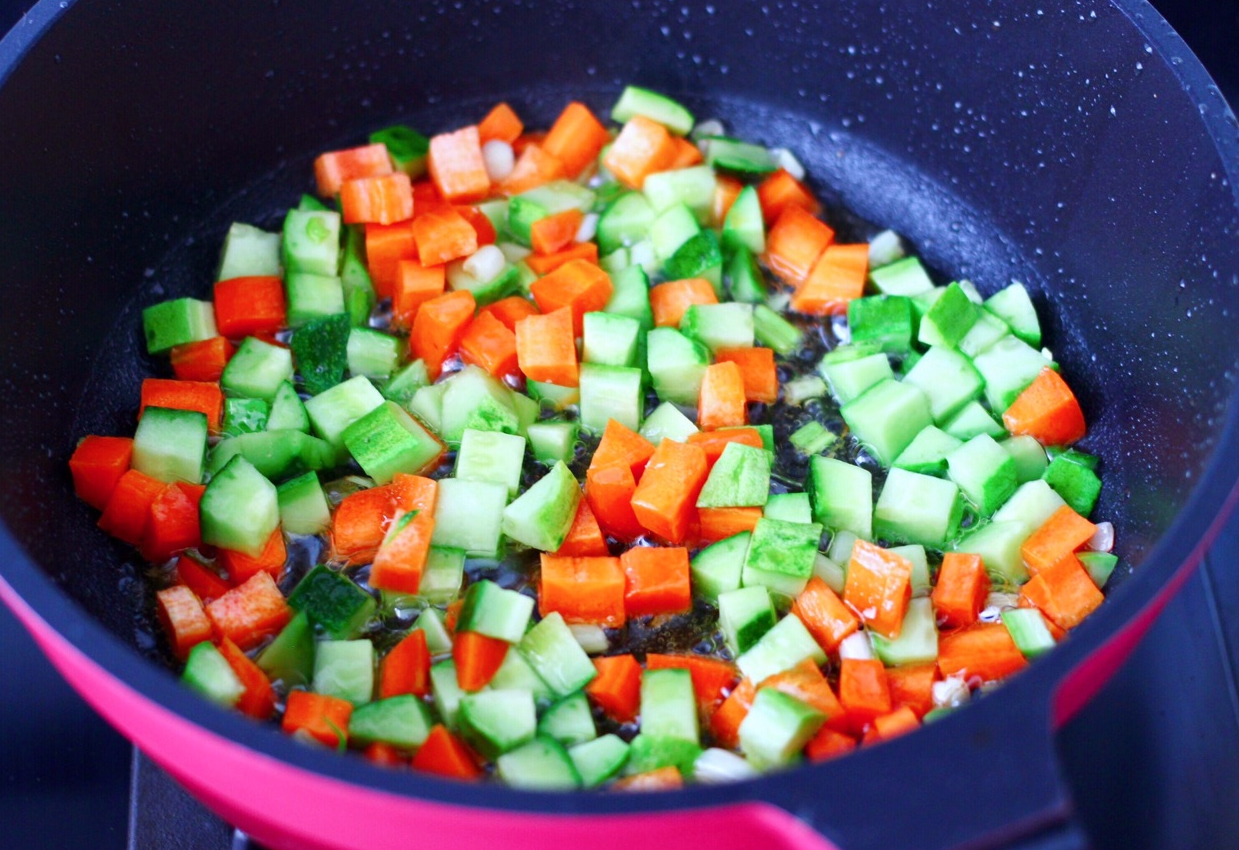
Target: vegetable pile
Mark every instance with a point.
(588, 458)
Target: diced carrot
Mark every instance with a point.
(510, 310)
(575, 138)
(795, 243)
(183, 618)
(172, 523)
(258, 699)
(781, 190)
(242, 567)
(720, 403)
(864, 691)
(711, 676)
(878, 587)
(128, 507)
(401, 559)
(1060, 535)
(383, 754)
(490, 345)
(643, 147)
(660, 779)
(457, 167)
(406, 668)
(413, 493)
(545, 264)
(386, 246)
(382, 200)
(761, 377)
(584, 538)
(198, 396)
(204, 582)
(333, 168)
(555, 232)
(359, 524)
(622, 445)
(534, 167)
(617, 687)
(984, 651)
(443, 235)
(1064, 593)
(806, 683)
(912, 686)
(480, 223)
(962, 586)
(527, 138)
(203, 360)
(477, 658)
(666, 496)
(827, 744)
(245, 306)
(609, 491)
(837, 278)
(443, 754)
(97, 466)
(669, 301)
(582, 589)
(546, 348)
(726, 190)
(714, 442)
(426, 198)
(1047, 409)
(250, 612)
(824, 614)
(324, 718)
(899, 721)
(656, 580)
(716, 524)
(579, 285)
(415, 284)
(725, 721)
(686, 154)
(438, 327)
(500, 123)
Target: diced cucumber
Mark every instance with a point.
(560, 195)
(443, 575)
(527, 411)
(635, 100)
(649, 752)
(387, 440)
(1028, 631)
(630, 296)
(781, 648)
(334, 410)
(557, 397)
(745, 614)
(372, 353)
(171, 444)
(1032, 504)
(210, 674)
(611, 339)
(257, 369)
(430, 621)
(699, 257)
(667, 422)
(668, 705)
(287, 411)
(312, 296)
(345, 669)
(446, 692)
(303, 505)
(717, 568)
(610, 392)
(497, 613)
(541, 764)
(774, 331)
(334, 602)
(841, 495)
(998, 544)
(949, 319)
(887, 320)
(986, 331)
(541, 516)
(289, 659)
(1014, 306)
(716, 766)
(474, 399)
(239, 509)
(915, 553)
(1008, 366)
(407, 381)
(781, 555)
(691, 187)
(1100, 566)
(927, 453)
(556, 657)
(321, 351)
(674, 226)
(516, 674)
(497, 722)
(552, 442)
(676, 365)
(973, 419)
(409, 150)
(468, 516)
(789, 507)
(740, 478)
(744, 225)
(887, 417)
(598, 760)
(777, 728)
(1074, 481)
(569, 721)
(985, 473)
(849, 377)
(745, 279)
(402, 721)
(812, 438)
(948, 380)
(841, 545)
(311, 242)
(249, 252)
(904, 277)
(491, 456)
(427, 405)
(276, 454)
(741, 157)
(917, 642)
(625, 221)
(830, 572)
(244, 416)
(718, 326)
(359, 296)
(176, 322)
(915, 508)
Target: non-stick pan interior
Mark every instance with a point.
(1052, 147)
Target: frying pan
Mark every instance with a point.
(1078, 147)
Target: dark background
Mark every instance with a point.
(1153, 761)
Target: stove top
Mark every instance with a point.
(1153, 760)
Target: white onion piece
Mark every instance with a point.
(1103, 538)
(856, 645)
(499, 159)
(715, 766)
(786, 160)
(589, 226)
(1002, 600)
(513, 252)
(591, 638)
(885, 248)
(950, 692)
(841, 329)
(485, 264)
(709, 127)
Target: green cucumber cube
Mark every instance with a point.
(625, 221)
(917, 642)
(257, 369)
(569, 721)
(430, 621)
(446, 692)
(523, 213)
(332, 411)
(345, 669)
(998, 544)
(557, 397)
(303, 505)
(598, 760)
(516, 674)
(312, 296)
(812, 438)
(177, 322)
(676, 365)
(276, 454)
(650, 752)
(841, 495)
(443, 576)
(372, 353)
(468, 516)
(1100, 566)
(402, 721)
(668, 704)
(915, 508)
(928, 451)
(985, 473)
(688, 188)
(745, 614)
(359, 296)
(667, 422)
(610, 392)
(491, 456)
(949, 319)
(287, 411)
(611, 340)
(781, 555)
(1008, 367)
(495, 612)
(634, 100)
(244, 416)
(249, 252)
(496, 722)
(740, 478)
(1014, 306)
(1074, 481)
(527, 411)
(552, 442)
(849, 378)
(312, 242)
(538, 765)
(734, 155)
(1032, 504)
(781, 648)
(541, 516)
(334, 602)
(973, 419)
(409, 150)
(719, 326)
(717, 568)
(789, 507)
(673, 226)
(777, 728)
(775, 332)
(320, 349)
(239, 509)
(1029, 457)
(289, 659)
(903, 277)
(473, 399)
(387, 440)
(744, 226)
(746, 282)
(409, 379)
(986, 331)
(887, 418)
(630, 295)
(1028, 631)
(556, 657)
(171, 444)
(884, 319)
(699, 257)
(210, 674)
(427, 405)
(948, 380)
